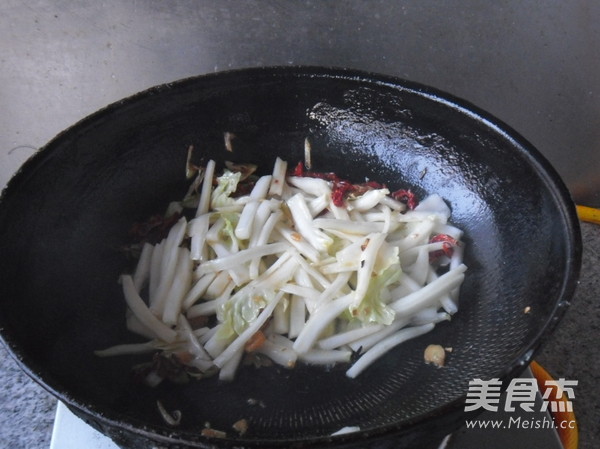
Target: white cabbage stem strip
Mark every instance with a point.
(356, 216)
(312, 272)
(197, 230)
(409, 255)
(406, 285)
(435, 204)
(298, 242)
(210, 307)
(263, 212)
(237, 272)
(385, 345)
(450, 230)
(126, 349)
(318, 205)
(278, 177)
(302, 278)
(207, 335)
(297, 316)
(201, 332)
(198, 289)
(229, 367)
(143, 313)
(218, 285)
(261, 188)
(278, 353)
(430, 293)
(181, 284)
(169, 263)
(232, 261)
(312, 186)
(317, 322)
(212, 235)
(303, 222)
(135, 326)
(154, 280)
(369, 200)
(447, 300)
(345, 430)
(206, 192)
(263, 234)
(326, 356)
(393, 204)
(349, 226)
(387, 219)
(420, 268)
(341, 339)
(367, 264)
(419, 216)
(142, 270)
(281, 317)
(246, 220)
(275, 278)
(418, 234)
(330, 291)
(196, 348)
(367, 342)
(430, 315)
(299, 290)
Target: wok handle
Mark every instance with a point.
(589, 214)
(569, 436)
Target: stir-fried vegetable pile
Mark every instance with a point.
(292, 266)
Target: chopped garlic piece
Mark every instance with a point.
(435, 355)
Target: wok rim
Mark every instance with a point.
(551, 180)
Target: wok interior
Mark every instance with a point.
(65, 217)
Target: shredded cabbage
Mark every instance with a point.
(293, 266)
(237, 313)
(226, 184)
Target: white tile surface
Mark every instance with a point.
(70, 432)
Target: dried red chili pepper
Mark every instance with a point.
(154, 229)
(339, 192)
(341, 188)
(406, 196)
(447, 247)
(374, 185)
(299, 170)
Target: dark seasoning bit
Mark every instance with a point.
(252, 401)
(241, 426)
(212, 433)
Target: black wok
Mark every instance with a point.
(65, 215)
